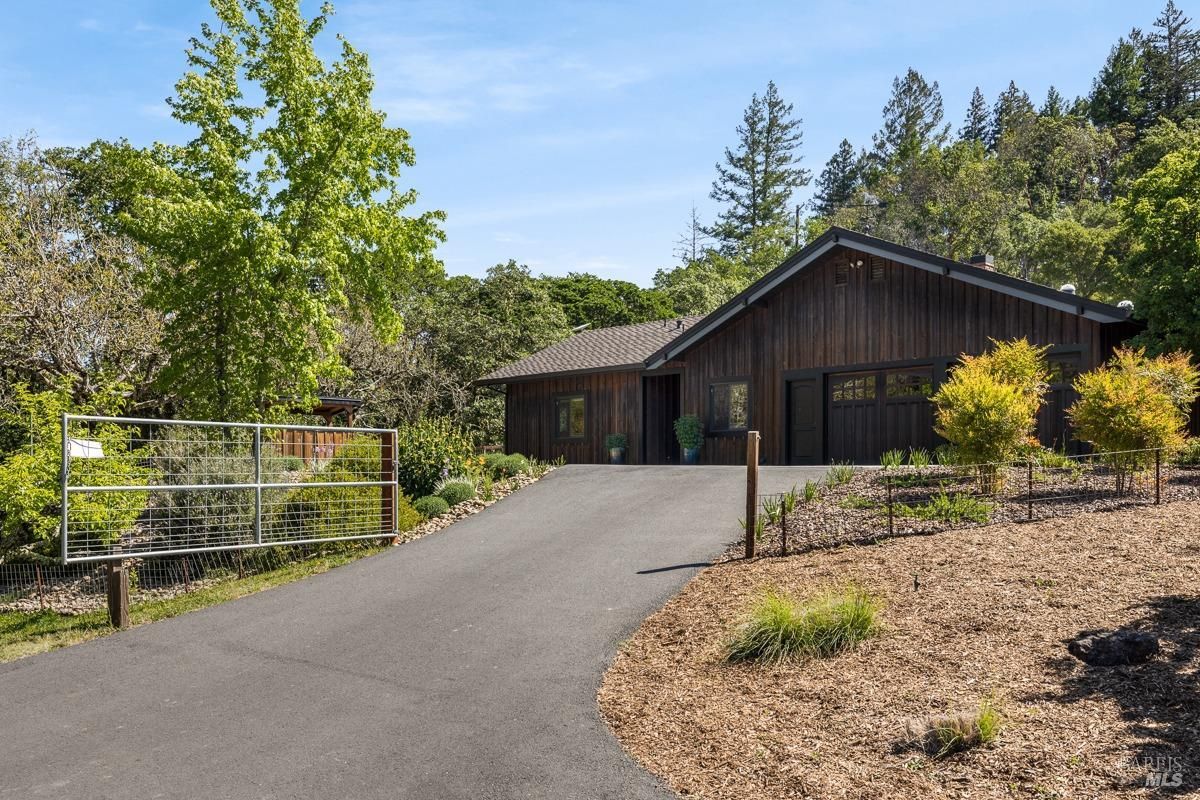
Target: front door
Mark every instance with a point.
(660, 408)
(804, 421)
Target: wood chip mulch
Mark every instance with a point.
(994, 608)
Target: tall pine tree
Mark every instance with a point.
(1171, 59)
(1054, 106)
(975, 127)
(1117, 91)
(1013, 108)
(839, 179)
(912, 120)
(756, 182)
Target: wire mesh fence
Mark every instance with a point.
(134, 487)
(854, 505)
(82, 587)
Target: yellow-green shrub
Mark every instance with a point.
(1132, 405)
(988, 406)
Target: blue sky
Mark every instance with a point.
(572, 136)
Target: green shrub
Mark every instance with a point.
(30, 495)
(780, 628)
(689, 431)
(947, 455)
(428, 451)
(430, 506)
(616, 441)
(1128, 405)
(292, 464)
(941, 736)
(811, 491)
(407, 517)
(510, 465)
(988, 406)
(891, 458)
(858, 501)
(1189, 454)
(948, 508)
(456, 490)
(919, 458)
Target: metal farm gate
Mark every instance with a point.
(133, 488)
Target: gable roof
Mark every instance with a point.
(601, 350)
(835, 237)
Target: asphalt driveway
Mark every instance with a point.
(462, 665)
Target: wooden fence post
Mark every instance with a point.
(751, 490)
(387, 472)
(118, 594)
(891, 506)
(1029, 489)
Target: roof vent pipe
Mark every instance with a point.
(1067, 288)
(1127, 305)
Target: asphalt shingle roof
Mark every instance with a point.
(602, 348)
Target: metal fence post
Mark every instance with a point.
(887, 479)
(64, 476)
(1157, 476)
(751, 490)
(783, 532)
(258, 484)
(1029, 488)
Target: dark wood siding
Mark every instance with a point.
(612, 402)
(910, 316)
(899, 316)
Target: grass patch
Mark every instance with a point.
(781, 628)
(858, 501)
(25, 634)
(948, 508)
(944, 735)
(840, 472)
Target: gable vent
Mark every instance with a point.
(877, 268)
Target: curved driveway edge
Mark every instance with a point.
(461, 665)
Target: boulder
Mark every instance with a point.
(1113, 648)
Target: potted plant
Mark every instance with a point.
(616, 444)
(690, 433)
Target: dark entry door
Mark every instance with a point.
(870, 412)
(804, 421)
(660, 408)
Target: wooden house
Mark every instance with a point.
(832, 356)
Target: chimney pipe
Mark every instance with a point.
(983, 261)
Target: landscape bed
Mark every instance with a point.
(975, 615)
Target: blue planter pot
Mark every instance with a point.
(691, 455)
(616, 455)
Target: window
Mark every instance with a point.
(849, 388)
(909, 384)
(1063, 367)
(729, 406)
(569, 416)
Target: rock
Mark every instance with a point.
(1113, 648)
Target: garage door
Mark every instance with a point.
(867, 413)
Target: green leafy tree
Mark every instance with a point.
(1162, 215)
(1081, 244)
(283, 212)
(755, 183)
(600, 303)
(975, 126)
(71, 304)
(838, 181)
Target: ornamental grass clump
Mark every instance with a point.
(987, 408)
(945, 735)
(781, 628)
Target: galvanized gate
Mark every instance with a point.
(134, 488)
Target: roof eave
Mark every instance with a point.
(538, 376)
